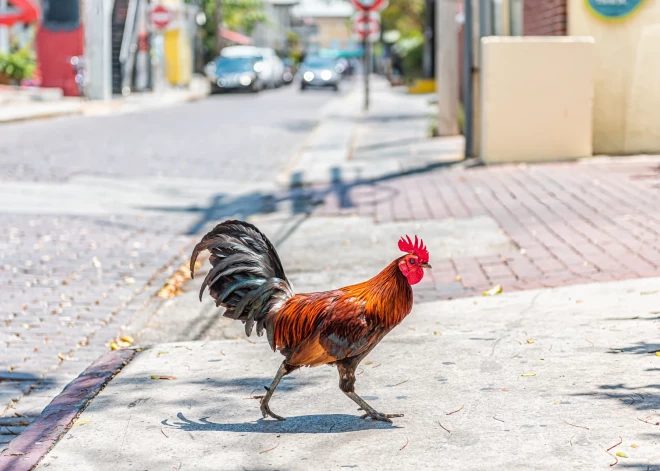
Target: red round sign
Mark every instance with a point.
(369, 5)
(160, 16)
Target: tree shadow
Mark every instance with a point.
(640, 348)
(301, 199)
(630, 396)
(307, 424)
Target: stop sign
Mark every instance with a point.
(160, 16)
(369, 5)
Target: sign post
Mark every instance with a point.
(366, 26)
(159, 18)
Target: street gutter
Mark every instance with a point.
(28, 449)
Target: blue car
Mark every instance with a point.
(234, 74)
(319, 72)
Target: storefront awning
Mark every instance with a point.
(235, 37)
(23, 11)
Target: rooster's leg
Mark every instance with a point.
(347, 385)
(284, 370)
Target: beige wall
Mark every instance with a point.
(331, 29)
(536, 98)
(626, 77)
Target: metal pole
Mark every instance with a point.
(367, 68)
(4, 30)
(468, 112)
(485, 18)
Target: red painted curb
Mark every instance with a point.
(26, 450)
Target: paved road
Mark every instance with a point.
(247, 136)
(72, 275)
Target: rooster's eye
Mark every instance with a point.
(412, 261)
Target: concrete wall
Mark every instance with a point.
(332, 29)
(536, 98)
(626, 77)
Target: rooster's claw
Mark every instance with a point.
(381, 417)
(265, 410)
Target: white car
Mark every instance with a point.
(269, 66)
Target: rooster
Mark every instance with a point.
(338, 327)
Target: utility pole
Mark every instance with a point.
(367, 69)
(218, 26)
(4, 30)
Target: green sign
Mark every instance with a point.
(613, 9)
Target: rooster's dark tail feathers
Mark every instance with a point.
(247, 277)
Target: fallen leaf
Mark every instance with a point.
(368, 362)
(435, 332)
(458, 278)
(127, 339)
(621, 454)
(655, 291)
(16, 453)
(530, 341)
(657, 354)
(61, 357)
(162, 377)
(162, 353)
(634, 446)
(129, 280)
(96, 262)
(114, 346)
(495, 290)
(82, 422)
(528, 374)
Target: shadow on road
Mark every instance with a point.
(330, 423)
(301, 199)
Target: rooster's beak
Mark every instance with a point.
(425, 265)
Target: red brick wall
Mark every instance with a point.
(544, 18)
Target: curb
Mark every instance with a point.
(39, 116)
(29, 448)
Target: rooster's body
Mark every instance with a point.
(338, 327)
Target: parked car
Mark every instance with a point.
(234, 73)
(274, 66)
(319, 72)
(268, 65)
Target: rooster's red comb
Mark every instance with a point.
(418, 248)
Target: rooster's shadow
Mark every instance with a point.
(327, 423)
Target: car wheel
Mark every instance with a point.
(303, 87)
(335, 88)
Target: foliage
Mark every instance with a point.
(405, 16)
(243, 15)
(18, 65)
(237, 15)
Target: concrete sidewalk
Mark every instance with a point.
(20, 108)
(392, 138)
(531, 380)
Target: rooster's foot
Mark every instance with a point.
(381, 417)
(265, 411)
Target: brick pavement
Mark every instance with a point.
(69, 284)
(572, 222)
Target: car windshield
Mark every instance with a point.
(234, 64)
(319, 63)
